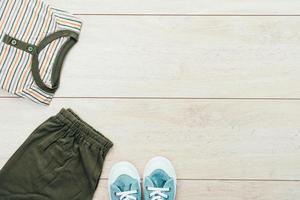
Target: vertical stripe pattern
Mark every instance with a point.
(30, 21)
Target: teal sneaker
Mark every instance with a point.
(159, 180)
(124, 182)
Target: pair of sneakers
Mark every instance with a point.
(159, 181)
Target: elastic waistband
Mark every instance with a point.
(68, 117)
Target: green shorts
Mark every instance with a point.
(61, 160)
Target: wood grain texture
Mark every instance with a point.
(194, 57)
(205, 139)
(226, 190)
(179, 6)
(138, 63)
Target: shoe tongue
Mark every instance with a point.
(169, 183)
(126, 183)
(159, 178)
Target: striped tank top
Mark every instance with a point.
(34, 40)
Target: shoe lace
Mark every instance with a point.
(127, 195)
(158, 193)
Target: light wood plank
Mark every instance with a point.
(222, 139)
(232, 190)
(180, 7)
(246, 57)
(185, 57)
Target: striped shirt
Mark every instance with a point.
(34, 39)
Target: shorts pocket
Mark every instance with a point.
(53, 154)
(59, 183)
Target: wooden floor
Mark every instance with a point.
(212, 85)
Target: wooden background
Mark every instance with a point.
(213, 85)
